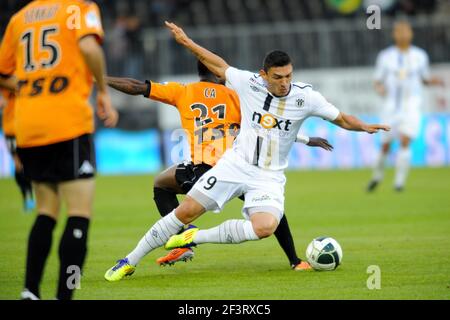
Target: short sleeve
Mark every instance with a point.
(90, 22)
(320, 107)
(425, 67)
(7, 52)
(169, 92)
(302, 138)
(380, 72)
(235, 78)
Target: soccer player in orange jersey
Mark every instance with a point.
(8, 130)
(211, 116)
(51, 47)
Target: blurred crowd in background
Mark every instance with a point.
(152, 13)
(134, 39)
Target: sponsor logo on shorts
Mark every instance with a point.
(262, 198)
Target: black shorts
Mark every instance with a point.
(11, 144)
(187, 174)
(63, 161)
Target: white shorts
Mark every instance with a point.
(405, 122)
(231, 177)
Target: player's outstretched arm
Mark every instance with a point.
(127, 85)
(352, 123)
(95, 60)
(213, 62)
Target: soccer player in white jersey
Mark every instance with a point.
(272, 111)
(401, 72)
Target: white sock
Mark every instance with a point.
(156, 237)
(231, 231)
(378, 170)
(402, 166)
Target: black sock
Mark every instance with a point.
(39, 244)
(24, 184)
(166, 200)
(284, 237)
(72, 253)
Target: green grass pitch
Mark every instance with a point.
(407, 235)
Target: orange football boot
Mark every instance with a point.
(175, 255)
(302, 266)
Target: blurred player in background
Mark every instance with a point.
(273, 109)
(401, 72)
(8, 130)
(211, 117)
(52, 49)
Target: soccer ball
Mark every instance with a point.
(324, 253)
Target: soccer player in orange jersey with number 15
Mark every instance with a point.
(52, 49)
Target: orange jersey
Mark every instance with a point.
(210, 115)
(40, 47)
(8, 113)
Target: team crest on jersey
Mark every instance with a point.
(300, 102)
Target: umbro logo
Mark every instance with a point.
(86, 168)
(300, 102)
(261, 198)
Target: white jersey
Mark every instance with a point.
(402, 74)
(269, 125)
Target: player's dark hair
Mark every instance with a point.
(203, 71)
(206, 75)
(276, 58)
